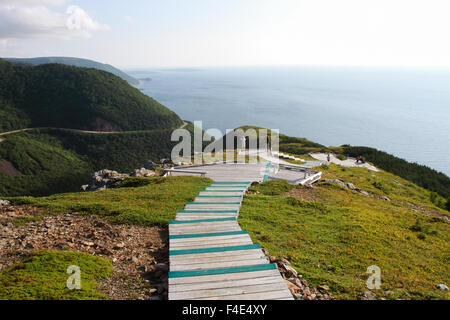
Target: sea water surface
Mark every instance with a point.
(405, 112)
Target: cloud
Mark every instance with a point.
(25, 21)
(32, 2)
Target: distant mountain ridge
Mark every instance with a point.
(76, 62)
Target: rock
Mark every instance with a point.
(4, 203)
(292, 287)
(142, 172)
(336, 181)
(351, 186)
(88, 244)
(324, 288)
(297, 295)
(365, 193)
(290, 272)
(442, 287)
(367, 295)
(104, 179)
(120, 245)
(385, 198)
(296, 281)
(153, 290)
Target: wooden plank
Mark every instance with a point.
(213, 249)
(206, 272)
(212, 239)
(229, 243)
(234, 199)
(189, 257)
(201, 230)
(233, 291)
(223, 277)
(208, 235)
(174, 288)
(203, 225)
(219, 264)
(190, 217)
(174, 223)
(197, 206)
(206, 259)
(268, 295)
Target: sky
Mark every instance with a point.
(181, 33)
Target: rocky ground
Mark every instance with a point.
(139, 254)
(298, 286)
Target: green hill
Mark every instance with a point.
(41, 162)
(76, 62)
(55, 95)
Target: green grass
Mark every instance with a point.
(332, 241)
(44, 275)
(140, 201)
(272, 188)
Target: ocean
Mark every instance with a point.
(405, 112)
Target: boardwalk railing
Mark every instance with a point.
(169, 172)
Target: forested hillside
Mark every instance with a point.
(60, 96)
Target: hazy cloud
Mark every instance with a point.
(32, 2)
(30, 21)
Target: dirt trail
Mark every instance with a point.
(76, 130)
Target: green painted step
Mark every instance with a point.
(215, 249)
(202, 220)
(208, 272)
(204, 203)
(201, 235)
(208, 211)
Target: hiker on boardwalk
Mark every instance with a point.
(328, 157)
(269, 149)
(243, 143)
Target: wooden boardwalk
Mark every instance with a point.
(211, 258)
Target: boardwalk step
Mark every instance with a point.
(205, 203)
(203, 220)
(206, 272)
(214, 249)
(208, 211)
(216, 234)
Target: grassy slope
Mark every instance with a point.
(155, 202)
(334, 239)
(44, 276)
